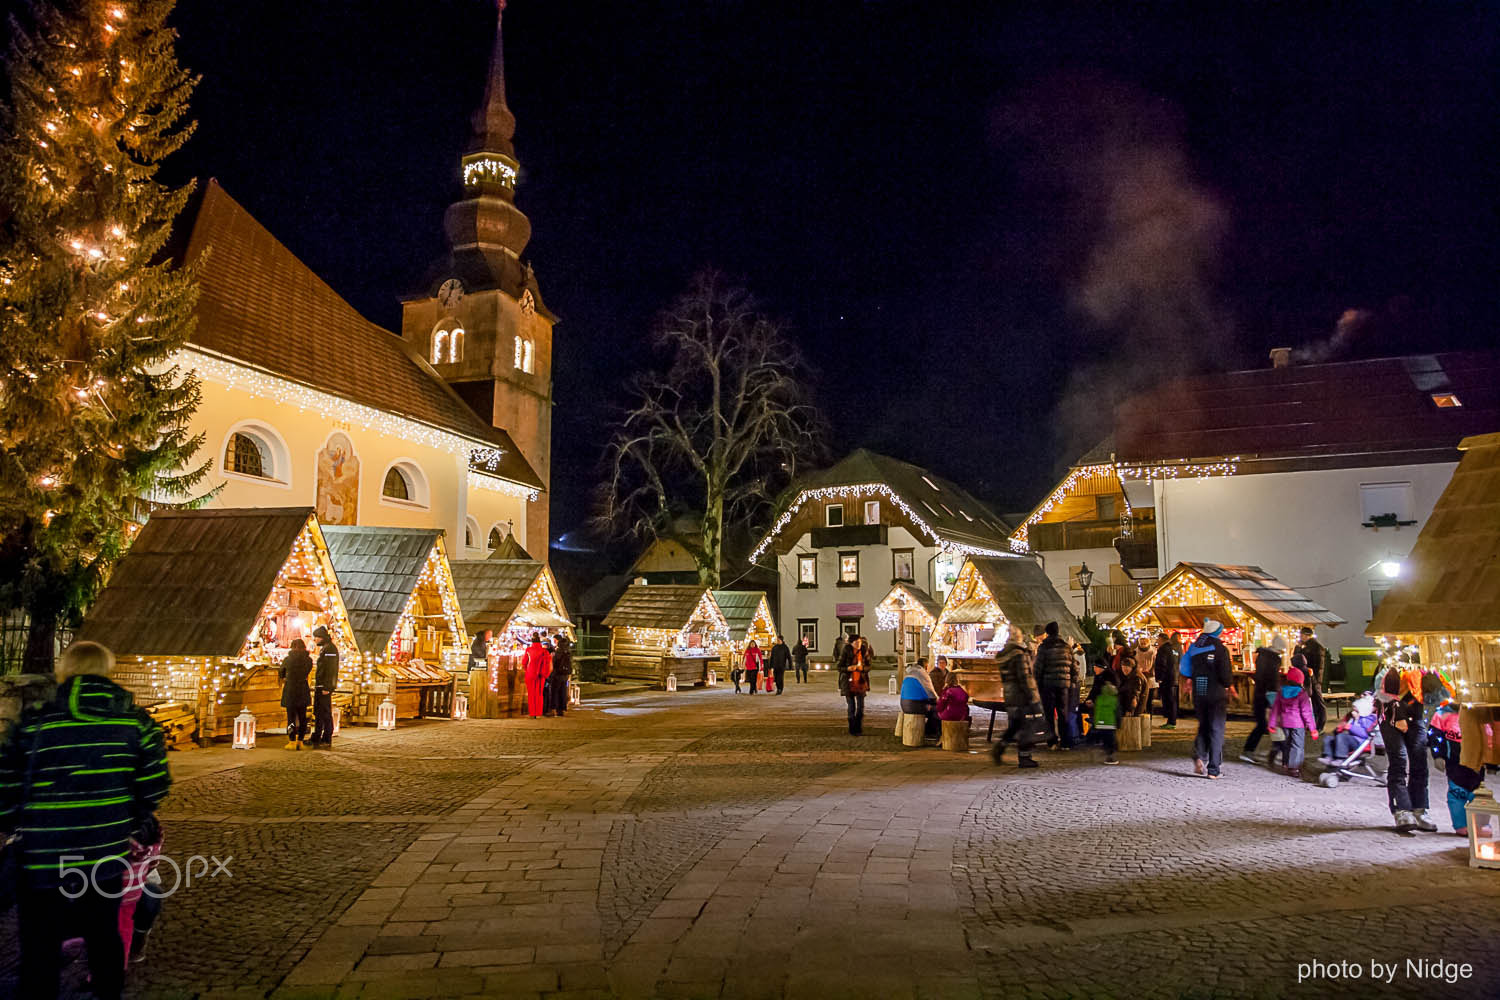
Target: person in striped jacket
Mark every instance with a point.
(78, 776)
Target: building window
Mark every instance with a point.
(929, 482)
(903, 564)
(1377, 594)
(246, 456)
(1104, 508)
(440, 347)
(404, 485)
(1073, 583)
(849, 626)
(495, 538)
(1387, 505)
(1446, 400)
(807, 571)
(872, 511)
(807, 628)
(848, 569)
(833, 515)
(471, 533)
(525, 355)
(456, 345)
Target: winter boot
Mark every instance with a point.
(1423, 823)
(1406, 821)
(292, 745)
(1026, 760)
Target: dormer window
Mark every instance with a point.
(934, 485)
(1446, 400)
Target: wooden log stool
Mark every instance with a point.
(956, 736)
(1128, 734)
(912, 729)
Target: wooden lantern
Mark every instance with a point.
(460, 707)
(385, 715)
(575, 693)
(244, 730)
(1483, 816)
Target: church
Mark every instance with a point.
(307, 403)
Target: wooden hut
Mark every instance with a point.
(1253, 606)
(748, 615)
(399, 593)
(665, 631)
(207, 602)
(512, 598)
(908, 611)
(990, 594)
(1444, 605)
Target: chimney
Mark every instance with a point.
(1281, 357)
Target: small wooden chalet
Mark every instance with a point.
(399, 594)
(206, 603)
(512, 597)
(908, 611)
(748, 615)
(673, 630)
(1446, 601)
(990, 594)
(1253, 606)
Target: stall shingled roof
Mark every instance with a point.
(926, 601)
(1024, 594)
(1253, 589)
(377, 569)
(1451, 580)
(739, 607)
(664, 606)
(489, 590)
(194, 581)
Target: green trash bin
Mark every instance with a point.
(1361, 664)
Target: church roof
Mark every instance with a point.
(259, 305)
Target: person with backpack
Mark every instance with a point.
(1208, 664)
(1403, 728)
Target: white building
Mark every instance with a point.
(852, 531)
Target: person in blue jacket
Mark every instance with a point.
(1210, 667)
(919, 697)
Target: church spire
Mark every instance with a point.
(494, 125)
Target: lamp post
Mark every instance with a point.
(1085, 580)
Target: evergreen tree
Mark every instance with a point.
(94, 413)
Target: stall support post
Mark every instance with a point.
(901, 640)
(204, 709)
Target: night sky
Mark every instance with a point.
(979, 226)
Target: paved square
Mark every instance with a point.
(703, 844)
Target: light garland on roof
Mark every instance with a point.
(434, 574)
(489, 168)
(947, 637)
(264, 385)
(1180, 470)
(1189, 590)
(888, 612)
(853, 492)
(761, 627)
(1018, 541)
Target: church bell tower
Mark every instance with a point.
(479, 317)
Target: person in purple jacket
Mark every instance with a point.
(1354, 730)
(1291, 713)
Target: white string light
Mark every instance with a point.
(489, 168)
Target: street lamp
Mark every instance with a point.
(1085, 580)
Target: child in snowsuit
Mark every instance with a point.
(1104, 698)
(1291, 713)
(1354, 730)
(1447, 746)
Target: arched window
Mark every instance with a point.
(471, 533)
(456, 345)
(404, 485)
(495, 538)
(525, 355)
(253, 450)
(439, 347)
(396, 487)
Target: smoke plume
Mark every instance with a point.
(1350, 327)
(1135, 240)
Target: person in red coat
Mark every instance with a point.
(753, 660)
(537, 668)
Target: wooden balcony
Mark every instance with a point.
(1113, 598)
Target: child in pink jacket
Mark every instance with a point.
(1291, 713)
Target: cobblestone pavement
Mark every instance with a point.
(704, 844)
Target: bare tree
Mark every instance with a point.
(713, 434)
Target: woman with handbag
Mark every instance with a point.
(854, 680)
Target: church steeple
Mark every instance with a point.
(486, 222)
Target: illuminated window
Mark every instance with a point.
(439, 347)
(965, 514)
(848, 568)
(807, 571)
(872, 511)
(903, 564)
(525, 355)
(1446, 400)
(495, 538)
(247, 456)
(833, 515)
(929, 482)
(255, 451)
(456, 345)
(807, 629)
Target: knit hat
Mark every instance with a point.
(1293, 676)
(321, 632)
(1051, 628)
(1213, 627)
(1278, 643)
(1299, 661)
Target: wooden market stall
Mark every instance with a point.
(206, 602)
(990, 594)
(748, 615)
(1444, 608)
(668, 630)
(1253, 606)
(908, 611)
(399, 594)
(514, 598)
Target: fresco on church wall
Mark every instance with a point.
(338, 482)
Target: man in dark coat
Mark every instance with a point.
(1057, 675)
(479, 652)
(1168, 654)
(1267, 681)
(1317, 662)
(295, 694)
(781, 658)
(799, 660)
(1022, 699)
(325, 682)
(105, 768)
(1212, 670)
(559, 684)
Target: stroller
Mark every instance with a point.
(1357, 763)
